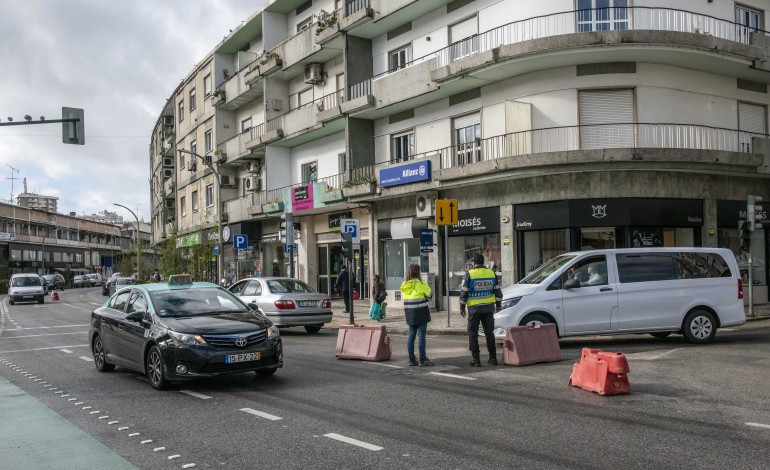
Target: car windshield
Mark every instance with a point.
(26, 281)
(123, 281)
(288, 286)
(195, 301)
(540, 274)
(49, 277)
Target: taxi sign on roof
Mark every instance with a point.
(180, 280)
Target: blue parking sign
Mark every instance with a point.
(240, 242)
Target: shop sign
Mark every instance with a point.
(191, 239)
(302, 198)
(405, 174)
(270, 238)
(477, 221)
(5, 236)
(426, 240)
(334, 220)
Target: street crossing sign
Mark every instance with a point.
(446, 211)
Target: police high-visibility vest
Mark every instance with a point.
(481, 286)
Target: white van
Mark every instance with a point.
(660, 291)
(26, 287)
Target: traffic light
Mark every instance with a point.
(744, 235)
(347, 244)
(751, 212)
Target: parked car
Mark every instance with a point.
(95, 279)
(26, 287)
(660, 291)
(119, 283)
(54, 281)
(286, 301)
(81, 280)
(182, 330)
(106, 283)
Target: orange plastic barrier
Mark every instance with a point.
(525, 345)
(54, 295)
(605, 373)
(364, 342)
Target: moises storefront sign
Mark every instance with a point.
(405, 174)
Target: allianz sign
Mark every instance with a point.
(405, 174)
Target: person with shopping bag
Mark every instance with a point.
(377, 309)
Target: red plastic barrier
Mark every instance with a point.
(54, 295)
(364, 342)
(605, 373)
(525, 345)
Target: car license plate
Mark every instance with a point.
(27, 296)
(233, 358)
(307, 303)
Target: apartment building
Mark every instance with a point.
(557, 125)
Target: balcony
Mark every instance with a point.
(265, 133)
(330, 106)
(238, 92)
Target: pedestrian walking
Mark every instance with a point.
(480, 293)
(342, 285)
(415, 294)
(377, 310)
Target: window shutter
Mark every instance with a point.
(615, 107)
(467, 121)
(751, 118)
(463, 29)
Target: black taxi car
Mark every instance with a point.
(182, 330)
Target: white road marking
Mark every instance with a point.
(158, 449)
(454, 376)
(728, 329)
(188, 465)
(103, 417)
(87, 407)
(133, 434)
(355, 442)
(113, 422)
(71, 399)
(123, 428)
(175, 456)
(70, 305)
(79, 403)
(195, 394)
(383, 364)
(66, 351)
(59, 391)
(146, 441)
(759, 425)
(52, 327)
(86, 358)
(43, 349)
(94, 412)
(651, 355)
(66, 395)
(261, 414)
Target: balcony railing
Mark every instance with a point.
(561, 139)
(356, 5)
(262, 129)
(330, 101)
(360, 89)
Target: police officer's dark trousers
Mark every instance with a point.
(487, 321)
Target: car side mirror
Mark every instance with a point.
(253, 306)
(134, 316)
(571, 284)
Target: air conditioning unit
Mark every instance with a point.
(227, 181)
(168, 173)
(254, 167)
(168, 162)
(313, 73)
(276, 104)
(192, 165)
(424, 205)
(168, 120)
(170, 203)
(253, 184)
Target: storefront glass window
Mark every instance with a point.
(540, 247)
(597, 238)
(728, 238)
(399, 254)
(461, 251)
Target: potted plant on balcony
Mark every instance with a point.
(331, 195)
(218, 96)
(269, 62)
(324, 22)
(276, 205)
(359, 186)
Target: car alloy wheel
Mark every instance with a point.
(100, 358)
(155, 369)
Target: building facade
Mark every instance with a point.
(557, 125)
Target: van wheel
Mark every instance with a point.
(699, 327)
(534, 319)
(661, 334)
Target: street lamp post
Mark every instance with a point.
(136, 237)
(210, 165)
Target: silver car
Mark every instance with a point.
(286, 301)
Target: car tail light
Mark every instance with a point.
(740, 288)
(326, 303)
(284, 304)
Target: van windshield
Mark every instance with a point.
(551, 266)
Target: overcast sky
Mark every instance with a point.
(119, 61)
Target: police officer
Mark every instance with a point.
(481, 293)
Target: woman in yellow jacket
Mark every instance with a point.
(415, 293)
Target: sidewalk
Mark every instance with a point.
(395, 322)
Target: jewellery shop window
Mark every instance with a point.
(461, 251)
(729, 238)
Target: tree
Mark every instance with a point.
(172, 260)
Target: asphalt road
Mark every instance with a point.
(690, 407)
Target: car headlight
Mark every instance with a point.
(186, 339)
(272, 332)
(509, 302)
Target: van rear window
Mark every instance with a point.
(646, 267)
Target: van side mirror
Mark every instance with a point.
(571, 284)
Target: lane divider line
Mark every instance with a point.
(195, 394)
(66, 351)
(759, 425)
(122, 428)
(384, 365)
(86, 358)
(351, 441)
(133, 434)
(146, 441)
(44, 349)
(158, 449)
(175, 456)
(113, 422)
(454, 376)
(260, 414)
(188, 465)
